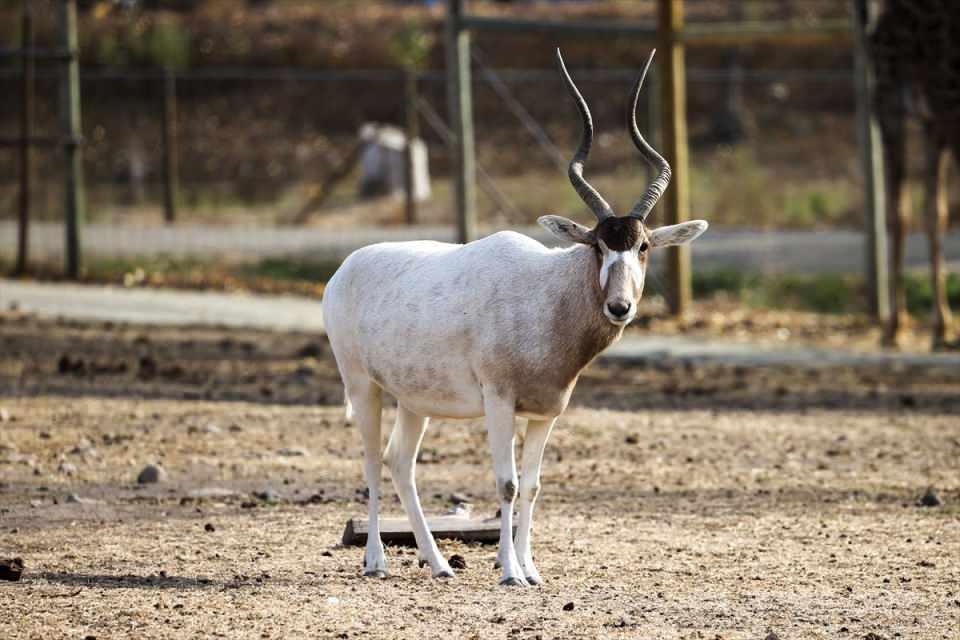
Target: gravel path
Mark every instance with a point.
(165, 307)
(285, 313)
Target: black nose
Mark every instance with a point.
(618, 309)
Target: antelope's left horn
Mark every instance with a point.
(642, 209)
(587, 193)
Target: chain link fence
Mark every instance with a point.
(773, 162)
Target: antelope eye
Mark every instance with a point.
(644, 246)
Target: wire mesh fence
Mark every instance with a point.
(771, 150)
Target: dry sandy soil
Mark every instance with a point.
(679, 501)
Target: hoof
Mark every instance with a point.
(375, 573)
(513, 582)
(444, 574)
(534, 580)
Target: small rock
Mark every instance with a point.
(267, 495)
(292, 452)
(568, 606)
(66, 365)
(209, 528)
(303, 371)
(772, 636)
(235, 428)
(457, 561)
(212, 492)
(623, 622)
(930, 499)
(4, 415)
(151, 474)
(460, 498)
(310, 350)
(11, 569)
(631, 439)
(872, 636)
(461, 509)
(82, 447)
(210, 428)
(67, 468)
(428, 456)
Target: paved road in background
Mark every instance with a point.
(285, 313)
(765, 251)
(162, 306)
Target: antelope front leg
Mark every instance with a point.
(501, 435)
(533, 445)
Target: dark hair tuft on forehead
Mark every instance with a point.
(620, 234)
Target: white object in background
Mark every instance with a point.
(383, 162)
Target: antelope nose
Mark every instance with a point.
(619, 309)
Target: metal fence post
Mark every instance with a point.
(26, 131)
(674, 132)
(170, 150)
(75, 201)
(871, 161)
(460, 105)
(413, 133)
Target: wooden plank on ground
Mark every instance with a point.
(397, 531)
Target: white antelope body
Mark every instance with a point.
(500, 327)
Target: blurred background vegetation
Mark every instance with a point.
(271, 95)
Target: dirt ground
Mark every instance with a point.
(679, 500)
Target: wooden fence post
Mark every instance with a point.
(75, 200)
(26, 131)
(460, 106)
(871, 161)
(674, 132)
(170, 147)
(412, 134)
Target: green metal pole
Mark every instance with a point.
(871, 161)
(674, 131)
(413, 133)
(460, 105)
(170, 147)
(75, 199)
(26, 131)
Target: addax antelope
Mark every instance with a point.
(499, 328)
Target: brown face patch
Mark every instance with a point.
(620, 234)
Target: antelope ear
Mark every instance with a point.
(677, 233)
(568, 230)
